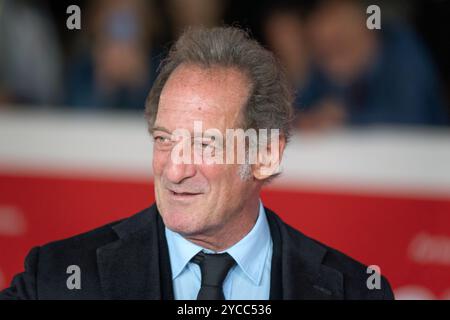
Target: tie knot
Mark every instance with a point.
(214, 267)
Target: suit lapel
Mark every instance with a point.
(129, 268)
(303, 276)
(137, 265)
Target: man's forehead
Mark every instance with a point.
(197, 72)
(197, 92)
(213, 84)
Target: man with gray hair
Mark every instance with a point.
(208, 236)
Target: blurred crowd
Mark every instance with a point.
(343, 73)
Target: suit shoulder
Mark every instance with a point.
(355, 274)
(93, 239)
(333, 257)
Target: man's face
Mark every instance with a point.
(198, 199)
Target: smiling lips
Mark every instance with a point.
(182, 195)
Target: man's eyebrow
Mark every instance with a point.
(163, 129)
(160, 129)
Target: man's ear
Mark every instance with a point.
(269, 158)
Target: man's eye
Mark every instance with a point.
(203, 143)
(162, 140)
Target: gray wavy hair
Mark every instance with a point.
(269, 105)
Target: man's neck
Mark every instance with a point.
(231, 233)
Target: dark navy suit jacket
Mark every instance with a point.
(129, 259)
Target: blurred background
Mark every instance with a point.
(368, 170)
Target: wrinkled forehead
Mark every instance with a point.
(214, 95)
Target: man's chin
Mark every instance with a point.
(181, 223)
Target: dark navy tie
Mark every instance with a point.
(214, 269)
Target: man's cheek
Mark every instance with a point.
(158, 163)
(214, 171)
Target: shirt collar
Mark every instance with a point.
(250, 252)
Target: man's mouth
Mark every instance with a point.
(182, 195)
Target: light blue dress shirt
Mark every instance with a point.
(248, 279)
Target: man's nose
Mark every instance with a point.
(177, 172)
